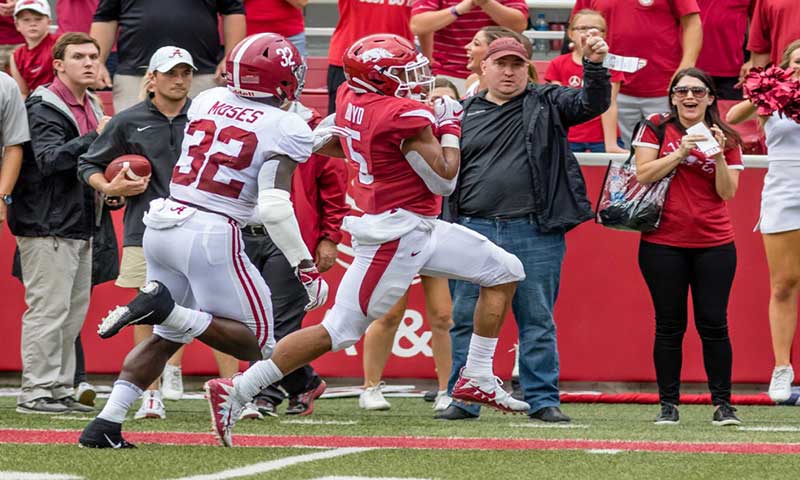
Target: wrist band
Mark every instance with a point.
(454, 12)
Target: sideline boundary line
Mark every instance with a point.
(23, 436)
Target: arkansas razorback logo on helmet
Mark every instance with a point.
(266, 65)
(389, 65)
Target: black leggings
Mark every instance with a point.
(669, 272)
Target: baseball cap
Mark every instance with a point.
(167, 57)
(38, 6)
(506, 46)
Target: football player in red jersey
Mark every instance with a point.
(239, 151)
(407, 155)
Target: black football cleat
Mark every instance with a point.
(101, 433)
(151, 306)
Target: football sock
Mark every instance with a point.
(119, 402)
(256, 378)
(481, 354)
(186, 320)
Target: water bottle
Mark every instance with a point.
(541, 45)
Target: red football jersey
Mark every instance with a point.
(36, 65)
(375, 126)
(694, 215)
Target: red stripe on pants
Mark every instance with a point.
(377, 267)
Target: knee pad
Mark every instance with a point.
(502, 267)
(345, 327)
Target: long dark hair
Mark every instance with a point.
(712, 112)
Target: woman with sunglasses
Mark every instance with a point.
(780, 227)
(693, 246)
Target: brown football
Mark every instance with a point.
(138, 165)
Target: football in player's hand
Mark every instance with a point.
(138, 167)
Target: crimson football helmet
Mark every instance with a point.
(266, 65)
(388, 64)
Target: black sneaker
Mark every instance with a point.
(430, 395)
(455, 413)
(668, 416)
(550, 415)
(43, 405)
(724, 415)
(151, 306)
(101, 433)
(75, 406)
(303, 404)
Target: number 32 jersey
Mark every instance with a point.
(227, 141)
(375, 126)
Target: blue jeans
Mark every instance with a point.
(299, 42)
(596, 147)
(541, 254)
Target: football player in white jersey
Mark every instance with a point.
(240, 149)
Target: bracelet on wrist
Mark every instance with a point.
(454, 12)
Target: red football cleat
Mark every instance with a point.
(487, 391)
(225, 408)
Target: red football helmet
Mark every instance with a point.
(388, 64)
(266, 65)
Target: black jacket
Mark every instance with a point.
(49, 199)
(548, 111)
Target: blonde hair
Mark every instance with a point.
(587, 12)
(787, 53)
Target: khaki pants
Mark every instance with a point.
(127, 89)
(57, 274)
(132, 268)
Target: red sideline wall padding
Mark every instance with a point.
(604, 314)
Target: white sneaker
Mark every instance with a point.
(152, 406)
(372, 398)
(250, 412)
(442, 401)
(85, 394)
(172, 383)
(780, 387)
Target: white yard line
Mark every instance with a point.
(780, 428)
(71, 417)
(36, 476)
(368, 478)
(604, 451)
(272, 465)
(319, 422)
(547, 425)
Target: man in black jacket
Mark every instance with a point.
(521, 187)
(53, 218)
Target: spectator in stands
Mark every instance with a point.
(53, 220)
(775, 24)
(724, 32)
(10, 38)
(780, 227)
(319, 189)
(693, 246)
(599, 134)
(31, 63)
(443, 87)
(358, 19)
(476, 51)
(144, 26)
(510, 131)
(667, 33)
(75, 15)
(453, 23)
(278, 16)
(13, 134)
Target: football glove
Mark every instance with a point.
(316, 287)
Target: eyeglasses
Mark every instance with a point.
(697, 92)
(586, 28)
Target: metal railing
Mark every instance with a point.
(602, 159)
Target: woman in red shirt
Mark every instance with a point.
(693, 246)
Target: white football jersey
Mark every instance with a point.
(226, 142)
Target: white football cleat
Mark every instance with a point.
(152, 406)
(172, 383)
(372, 398)
(780, 387)
(85, 394)
(250, 412)
(487, 391)
(442, 401)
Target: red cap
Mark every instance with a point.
(505, 46)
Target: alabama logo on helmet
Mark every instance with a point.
(266, 65)
(387, 64)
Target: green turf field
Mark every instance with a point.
(410, 418)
